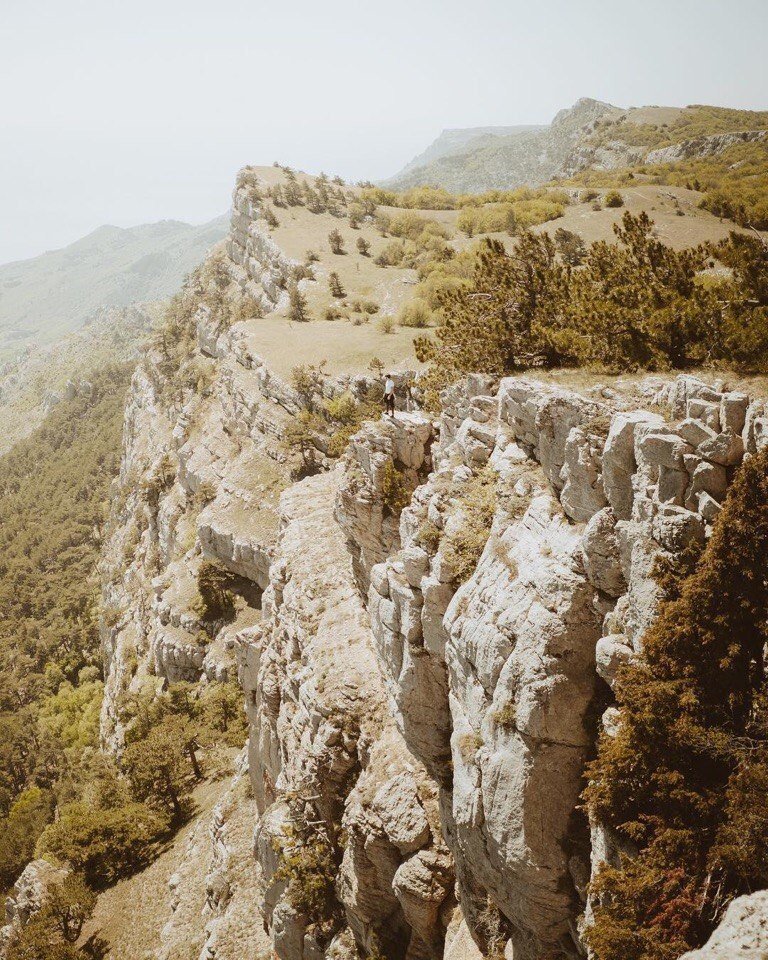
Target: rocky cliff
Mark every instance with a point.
(426, 630)
(503, 162)
(590, 134)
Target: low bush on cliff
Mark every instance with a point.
(466, 540)
(309, 867)
(216, 600)
(684, 780)
(636, 304)
(395, 491)
(326, 423)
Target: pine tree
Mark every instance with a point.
(297, 310)
(336, 241)
(363, 247)
(685, 777)
(334, 285)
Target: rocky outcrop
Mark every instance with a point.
(427, 631)
(385, 462)
(525, 157)
(493, 680)
(325, 753)
(27, 896)
(700, 147)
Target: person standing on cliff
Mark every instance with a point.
(389, 395)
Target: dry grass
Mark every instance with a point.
(346, 348)
(661, 203)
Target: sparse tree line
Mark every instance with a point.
(634, 304)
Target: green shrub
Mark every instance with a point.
(505, 717)
(613, 199)
(28, 815)
(415, 313)
(334, 285)
(103, 844)
(216, 601)
(428, 536)
(309, 867)
(396, 492)
(336, 241)
(570, 246)
(297, 304)
(342, 408)
(463, 547)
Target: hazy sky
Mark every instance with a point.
(128, 111)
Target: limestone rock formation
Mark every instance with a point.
(325, 754)
(426, 632)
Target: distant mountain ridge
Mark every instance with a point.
(43, 298)
(459, 140)
(502, 160)
(590, 134)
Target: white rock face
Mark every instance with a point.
(742, 933)
(382, 453)
(325, 752)
(521, 660)
(500, 672)
(27, 896)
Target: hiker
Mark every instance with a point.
(389, 395)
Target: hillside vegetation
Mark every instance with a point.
(734, 183)
(599, 145)
(697, 120)
(635, 304)
(59, 795)
(37, 380)
(53, 493)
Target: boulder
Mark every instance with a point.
(619, 459)
(600, 553)
(742, 933)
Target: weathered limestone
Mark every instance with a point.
(742, 933)
(619, 462)
(521, 658)
(324, 750)
(618, 492)
(385, 462)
